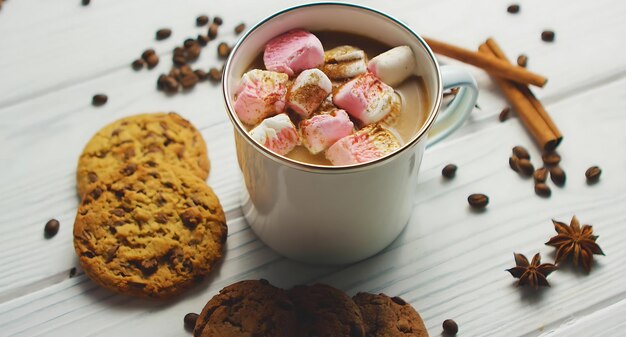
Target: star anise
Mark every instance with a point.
(572, 240)
(533, 273)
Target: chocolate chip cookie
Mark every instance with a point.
(248, 308)
(324, 311)
(386, 316)
(165, 137)
(149, 229)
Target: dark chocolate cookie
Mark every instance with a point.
(386, 316)
(324, 311)
(248, 309)
(165, 137)
(149, 229)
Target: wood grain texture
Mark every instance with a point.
(449, 262)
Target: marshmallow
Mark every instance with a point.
(261, 94)
(344, 62)
(367, 98)
(370, 143)
(277, 134)
(293, 52)
(308, 91)
(321, 131)
(394, 65)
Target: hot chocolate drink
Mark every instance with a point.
(332, 98)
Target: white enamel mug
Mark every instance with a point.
(338, 215)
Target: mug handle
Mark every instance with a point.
(455, 114)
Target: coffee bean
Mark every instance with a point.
(152, 60)
(551, 158)
(504, 114)
(185, 70)
(190, 320)
(72, 272)
(540, 175)
(558, 176)
(52, 228)
(522, 60)
(478, 201)
(521, 152)
(526, 168)
(193, 50)
(547, 35)
(147, 53)
(167, 83)
(189, 81)
(180, 51)
(450, 327)
(99, 99)
(213, 31)
(163, 33)
(179, 60)
(593, 174)
(202, 20)
(542, 190)
(188, 43)
(86, 2)
(514, 163)
(215, 75)
(175, 73)
(449, 171)
(240, 28)
(138, 64)
(203, 40)
(202, 75)
(223, 50)
(513, 9)
(218, 20)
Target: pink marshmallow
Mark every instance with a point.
(322, 131)
(261, 94)
(293, 52)
(308, 91)
(277, 134)
(370, 143)
(367, 98)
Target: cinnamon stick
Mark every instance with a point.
(529, 109)
(493, 65)
(493, 45)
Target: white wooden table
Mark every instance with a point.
(449, 262)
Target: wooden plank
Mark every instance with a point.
(81, 43)
(448, 266)
(607, 322)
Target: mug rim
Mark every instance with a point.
(422, 132)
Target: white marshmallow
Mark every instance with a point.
(277, 134)
(394, 65)
(344, 62)
(308, 91)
